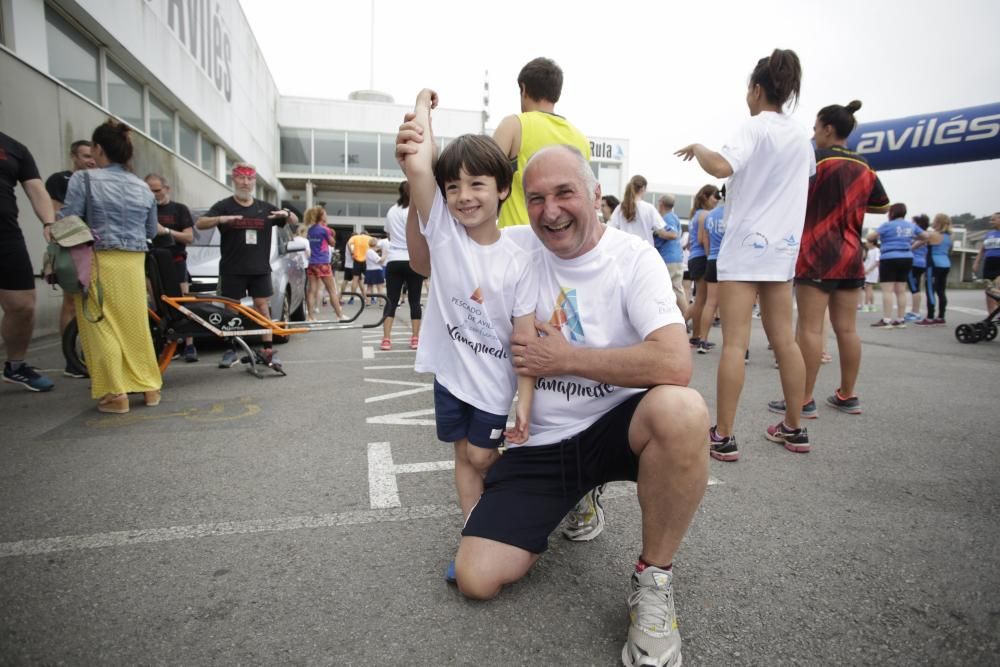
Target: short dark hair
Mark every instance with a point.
(541, 79)
(77, 145)
(779, 75)
(115, 140)
(897, 210)
(403, 200)
(922, 221)
(478, 155)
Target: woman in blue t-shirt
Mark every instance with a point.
(988, 260)
(938, 266)
(920, 267)
(896, 237)
(704, 202)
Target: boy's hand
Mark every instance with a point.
(519, 434)
(427, 97)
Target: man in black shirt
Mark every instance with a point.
(245, 263)
(55, 185)
(17, 278)
(174, 232)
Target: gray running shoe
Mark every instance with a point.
(229, 359)
(653, 637)
(586, 520)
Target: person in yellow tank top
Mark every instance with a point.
(357, 245)
(521, 135)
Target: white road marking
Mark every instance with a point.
(382, 368)
(968, 311)
(404, 418)
(398, 394)
(367, 353)
(127, 538)
(383, 493)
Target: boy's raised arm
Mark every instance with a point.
(419, 166)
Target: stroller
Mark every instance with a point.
(985, 329)
(173, 317)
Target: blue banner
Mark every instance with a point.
(947, 137)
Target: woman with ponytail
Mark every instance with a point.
(121, 212)
(830, 271)
(768, 163)
(637, 216)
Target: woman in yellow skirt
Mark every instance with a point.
(121, 213)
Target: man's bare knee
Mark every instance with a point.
(677, 418)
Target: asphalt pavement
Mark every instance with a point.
(308, 520)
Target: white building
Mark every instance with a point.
(189, 77)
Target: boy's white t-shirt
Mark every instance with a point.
(647, 219)
(372, 260)
(871, 264)
(772, 160)
(465, 335)
(611, 297)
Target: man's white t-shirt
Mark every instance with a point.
(477, 290)
(647, 220)
(772, 160)
(610, 297)
(395, 226)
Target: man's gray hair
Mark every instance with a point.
(583, 170)
(162, 180)
(667, 201)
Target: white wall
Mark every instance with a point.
(47, 117)
(361, 116)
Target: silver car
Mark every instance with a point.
(288, 270)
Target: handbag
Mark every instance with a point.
(68, 258)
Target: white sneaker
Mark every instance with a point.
(586, 520)
(653, 637)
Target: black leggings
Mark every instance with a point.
(396, 273)
(937, 281)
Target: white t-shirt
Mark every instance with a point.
(383, 250)
(871, 264)
(772, 160)
(372, 260)
(477, 290)
(685, 251)
(610, 297)
(395, 227)
(647, 219)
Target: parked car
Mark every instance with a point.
(288, 273)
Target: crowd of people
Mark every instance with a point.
(580, 323)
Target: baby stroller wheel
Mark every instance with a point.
(991, 331)
(966, 334)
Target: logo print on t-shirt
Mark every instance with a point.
(566, 316)
(756, 243)
(477, 296)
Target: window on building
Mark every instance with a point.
(208, 155)
(387, 151)
(295, 150)
(362, 154)
(329, 152)
(124, 95)
(72, 57)
(336, 206)
(230, 161)
(188, 144)
(161, 122)
(365, 209)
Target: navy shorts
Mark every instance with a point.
(697, 267)
(457, 420)
(529, 490)
(711, 271)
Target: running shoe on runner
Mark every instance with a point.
(190, 354)
(850, 405)
(911, 317)
(71, 373)
(385, 345)
(27, 377)
(794, 439)
(722, 448)
(882, 324)
(939, 322)
(653, 637)
(703, 347)
(229, 359)
(926, 322)
(586, 520)
(898, 324)
(808, 409)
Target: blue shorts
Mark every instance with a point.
(529, 490)
(456, 420)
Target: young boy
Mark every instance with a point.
(484, 290)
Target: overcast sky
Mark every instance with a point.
(660, 74)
